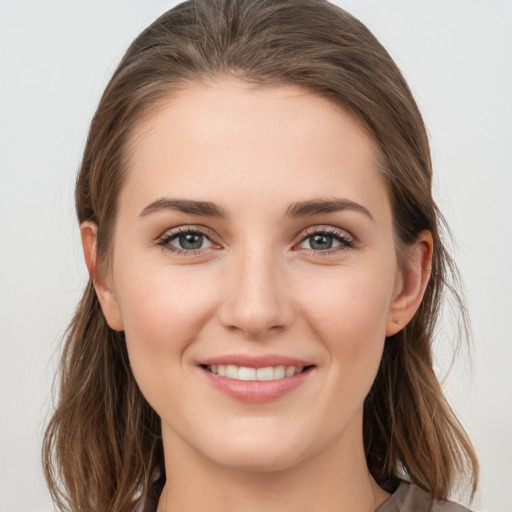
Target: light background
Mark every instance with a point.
(55, 59)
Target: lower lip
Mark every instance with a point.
(254, 391)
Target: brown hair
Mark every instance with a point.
(102, 447)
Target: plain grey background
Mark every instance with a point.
(55, 60)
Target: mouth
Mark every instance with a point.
(256, 378)
(247, 373)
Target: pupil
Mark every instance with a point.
(191, 241)
(321, 242)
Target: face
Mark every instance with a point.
(254, 273)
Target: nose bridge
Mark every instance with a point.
(256, 299)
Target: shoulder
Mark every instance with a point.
(411, 498)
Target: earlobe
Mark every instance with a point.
(104, 291)
(413, 284)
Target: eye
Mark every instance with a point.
(190, 241)
(326, 240)
(186, 241)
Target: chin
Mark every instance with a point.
(267, 447)
(257, 460)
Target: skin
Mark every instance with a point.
(257, 286)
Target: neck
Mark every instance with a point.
(335, 480)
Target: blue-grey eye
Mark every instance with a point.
(321, 241)
(190, 241)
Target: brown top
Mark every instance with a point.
(411, 498)
(407, 498)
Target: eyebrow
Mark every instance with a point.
(319, 206)
(185, 206)
(295, 210)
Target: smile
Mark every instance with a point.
(257, 380)
(246, 373)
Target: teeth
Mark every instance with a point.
(262, 373)
(290, 371)
(279, 372)
(232, 371)
(245, 373)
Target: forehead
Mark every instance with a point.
(229, 139)
(234, 108)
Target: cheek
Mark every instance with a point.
(157, 298)
(349, 315)
(163, 311)
(357, 302)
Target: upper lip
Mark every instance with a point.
(255, 361)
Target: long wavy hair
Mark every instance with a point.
(103, 448)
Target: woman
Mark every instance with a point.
(266, 272)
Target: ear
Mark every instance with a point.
(411, 284)
(102, 285)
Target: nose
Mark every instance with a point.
(256, 300)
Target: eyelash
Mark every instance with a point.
(164, 241)
(346, 241)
